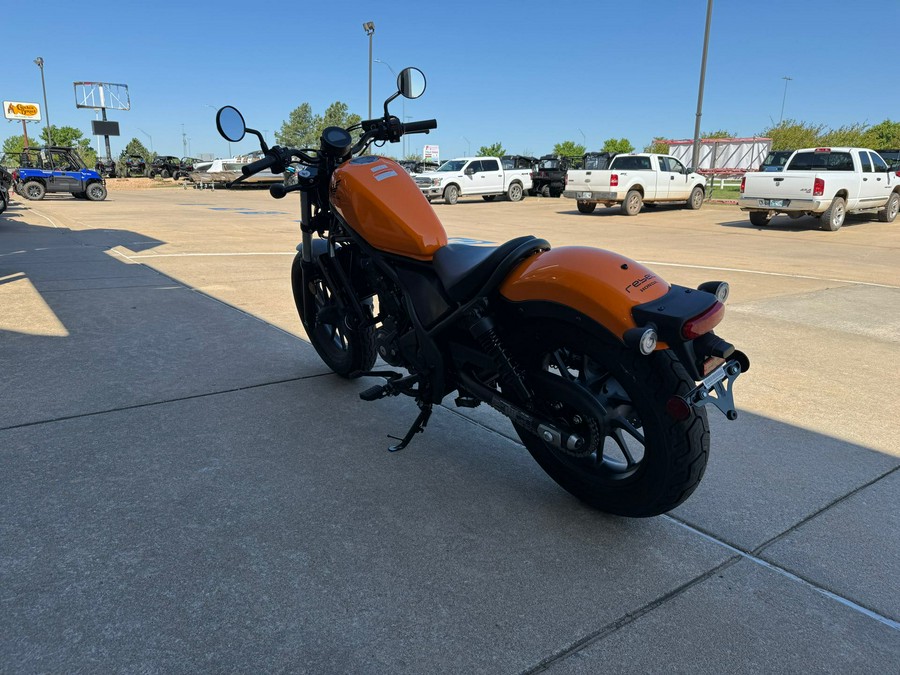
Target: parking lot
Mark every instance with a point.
(184, 487)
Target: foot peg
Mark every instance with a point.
(376, 392)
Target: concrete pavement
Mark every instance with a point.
(184, 487)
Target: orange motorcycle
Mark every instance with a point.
(605, 369)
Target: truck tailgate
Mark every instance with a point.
(587, 180)
(779, 185)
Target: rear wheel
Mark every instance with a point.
(586, 207)
(343, 349)
(164, 173)
(759, 218)
(635, 460)
(633, 203)
(451, 194)
(545, 191)
(890, 209)
(833, 218)
(515, 192)
(33, 190)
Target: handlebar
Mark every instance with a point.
(422, 127)
(259, 165)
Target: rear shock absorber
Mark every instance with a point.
(511, 377)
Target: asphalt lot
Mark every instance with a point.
(184, 487)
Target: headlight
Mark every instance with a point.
(436, 181)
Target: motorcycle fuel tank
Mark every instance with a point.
(380, 201)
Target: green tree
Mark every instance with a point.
(493, 150)
(70, 137)
(302, 128)
(884, 136)
(15, 144)
(849, 135)
(717, 134)
(658, 146)
(617, 145)
(135, 147)
(569, 149)
(791, 135)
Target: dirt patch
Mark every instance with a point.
(141, 183)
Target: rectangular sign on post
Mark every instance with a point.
(103, 128)
(17, 110)
(432, 152)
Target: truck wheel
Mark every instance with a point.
(488, 198)
(759, 218)
(451, 194)
(96, 192)
(586, 207)
(833, 218)
(696, 200)
(545, 191)
(33, 190)
(890, 209)
(515, 192)
(164, 173)
(633, 203)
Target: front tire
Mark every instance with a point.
(586, 207)
(696, 200)
(343, 350)
(637, 460)
(890, 210)
(164, 173)
(633, 203)
(833, 218)
(451, 194)
(96, 192)
(33, 190)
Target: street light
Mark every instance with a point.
(784, 98)
(39, 62)
(369, 27)
(148, 136)
(583, 138)
(468, 146)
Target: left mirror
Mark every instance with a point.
(230, 123)
(411, 82)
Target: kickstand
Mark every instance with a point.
(417, 428)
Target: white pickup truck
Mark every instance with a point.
(483, 176)
(827, 183)
(633, 180)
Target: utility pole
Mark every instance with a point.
(784, 98)
(184, 141)
(369, 27)
(696, 154)
(39, 62)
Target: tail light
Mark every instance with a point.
(703, 323)
(743, 182)
(614, 180)
(818, 187)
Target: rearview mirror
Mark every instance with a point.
(411, 82)
(230, 124)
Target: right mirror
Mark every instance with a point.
(230, 124)
(411, 82)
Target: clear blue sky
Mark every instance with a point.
(527, 74)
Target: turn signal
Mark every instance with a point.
(703, 323)
(743, 182)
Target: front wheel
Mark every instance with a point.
(451, 194)
(343, 349)
(890, 210)
(96, 192)
(635, 459)
(696, 200)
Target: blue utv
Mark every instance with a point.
(37, 171)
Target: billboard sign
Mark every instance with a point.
(432, 152)
(17, 110)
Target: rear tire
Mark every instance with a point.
(636, 459)
(759, 218)
(696, 200)
(545, 191)
(515, 192)
(343, 350)
(890, 210)
(33, 190)
(833, 218)
(586, 207)
(633, 203)
(164, 173)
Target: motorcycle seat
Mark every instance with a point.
(466, 270)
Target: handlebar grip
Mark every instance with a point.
(419, 127)
(259, 165)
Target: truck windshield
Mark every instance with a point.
(821, 161)
(453, 165)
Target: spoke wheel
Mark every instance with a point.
(634, 459)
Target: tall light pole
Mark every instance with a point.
(40, 64)
(468, 146)
(402, 100)
(148, 136)
(784, 98)
(583, 138)
(369, 27)
(695, 161)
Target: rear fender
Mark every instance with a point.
(600, 285)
